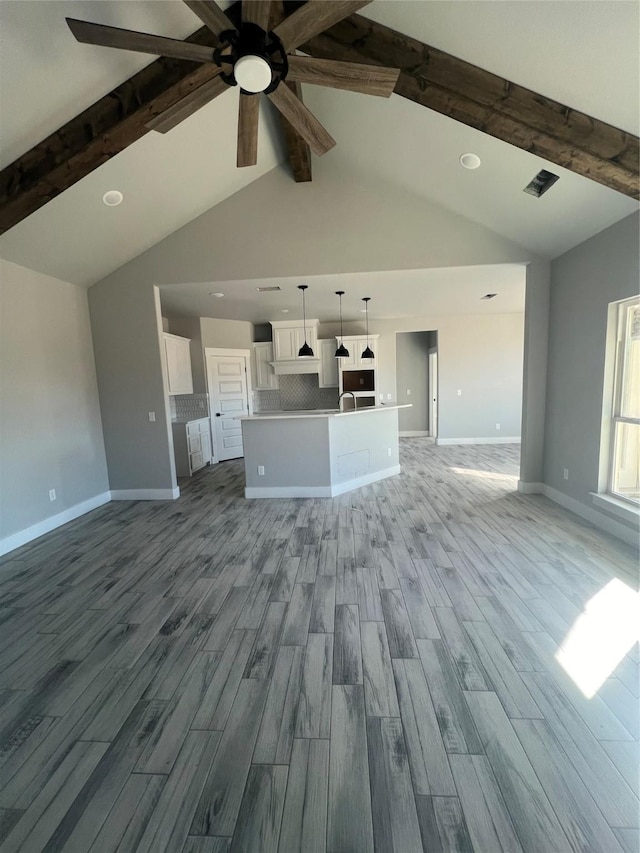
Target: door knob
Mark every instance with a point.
(217, 414)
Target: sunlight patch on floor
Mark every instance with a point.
(484, 475)
(601, 636)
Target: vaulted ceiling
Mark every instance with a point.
(581, 54)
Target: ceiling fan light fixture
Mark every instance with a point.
(305, 350)
(252, 73)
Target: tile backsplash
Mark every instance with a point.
(297, 391)
(189, 406)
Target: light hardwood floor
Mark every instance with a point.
(375, 672)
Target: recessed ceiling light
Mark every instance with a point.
(218, 295)
(112, 198)
(284, 310)
(470, 161)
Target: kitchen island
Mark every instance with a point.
(318, 453)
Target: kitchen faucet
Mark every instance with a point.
(355, 402)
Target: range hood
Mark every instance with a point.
(295, 365)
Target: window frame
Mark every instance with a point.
(623, 310)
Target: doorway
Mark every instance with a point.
(415, 381)
(227, 382)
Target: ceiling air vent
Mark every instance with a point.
(542, 182)
(268, 289)
(488, 296)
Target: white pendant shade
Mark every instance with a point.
(252, 73)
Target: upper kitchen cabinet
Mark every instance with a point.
(356, 344)
(178, 359)
(328, 367)
(289, 336)
(264, 379)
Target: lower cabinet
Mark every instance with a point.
(192, 446)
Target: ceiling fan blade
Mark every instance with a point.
(211, 15)
(313, 18)
(352, 76)
(89, 33)
(248, 113)
(256, 12)
(188, 105)
(302, 120)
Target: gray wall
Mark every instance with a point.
(50, 432)
(412, 374)
(480, 355)
(340, 222)
(583, 283)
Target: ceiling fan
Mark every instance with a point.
(258, 59)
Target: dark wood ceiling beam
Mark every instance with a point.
(98, 133)
(489, 103)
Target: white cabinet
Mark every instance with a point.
(356, 344)
(289, 336)
(359, 375)
(192, 446)
(178, 360)
(263, 379)
(328, 368)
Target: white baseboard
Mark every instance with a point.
(599, 519)
(16, 540)
(145, 494)
(414, 433)
(319, 491)
(529, 488)
(22, 537)
(506, 439)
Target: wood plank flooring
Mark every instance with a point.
(375, 672)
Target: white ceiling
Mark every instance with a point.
(583, 53)
(394, 294)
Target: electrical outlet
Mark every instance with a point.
(408, 392)
(201, 403)
(152, 416)
(260, 470)
(459, 392)
(52, 494)
(565, 473)
(497, 426)
(388, 396)
(388, 451)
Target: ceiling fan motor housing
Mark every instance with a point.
(251, 47)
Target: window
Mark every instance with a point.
(624, 464)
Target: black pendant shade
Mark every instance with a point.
(342, 351)
(305, 350)
(368, 352)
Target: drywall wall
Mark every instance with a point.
(50, 431)
(228, 334)
(480, 356)
(127, 338)
(412, 379)
(584, 282)
(340, 222)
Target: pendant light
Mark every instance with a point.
(305, 350)
(342, 351)
(368, 352)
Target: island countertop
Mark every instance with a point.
(322, 413)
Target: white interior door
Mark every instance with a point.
(227, 380)
(433, 394)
